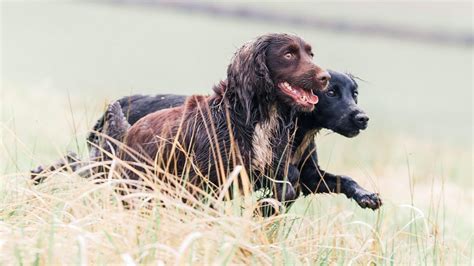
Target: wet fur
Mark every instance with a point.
(312, 178)
(327, 114)
(246, 117)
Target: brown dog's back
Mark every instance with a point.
(186, 140)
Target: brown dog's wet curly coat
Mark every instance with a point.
(337, 110)
(249, 120)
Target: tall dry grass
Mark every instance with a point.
(69, 219)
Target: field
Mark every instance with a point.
(61, 63)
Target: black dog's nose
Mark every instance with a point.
(361, 120)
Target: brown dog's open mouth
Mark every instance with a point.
(300, 96)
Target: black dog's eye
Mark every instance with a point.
(289, 56)
(311, 54)
(331, 93)
(355, 94)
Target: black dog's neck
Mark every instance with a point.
(309, 121)
(307, 126)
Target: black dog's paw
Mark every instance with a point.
(71, 160)
(35, 175)
(367, 199)
(37, 170)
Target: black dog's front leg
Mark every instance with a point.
(286, 192)
(315, 180)
(285, 187)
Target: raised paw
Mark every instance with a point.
(70, 159)
(367, 199)
(35, 175)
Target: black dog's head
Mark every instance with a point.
(337, 109)
(276, 67)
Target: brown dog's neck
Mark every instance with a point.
(260, 112)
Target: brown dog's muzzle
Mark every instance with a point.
(318, 76)
(323, 78)
(301, 87)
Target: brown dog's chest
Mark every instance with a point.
(263, 140)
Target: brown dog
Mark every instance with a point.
(249, 120)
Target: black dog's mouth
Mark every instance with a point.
(351, 134)
(304, 98)
(348, 132)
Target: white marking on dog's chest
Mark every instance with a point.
(262, 141)
(299, 152)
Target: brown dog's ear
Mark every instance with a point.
(248, 76)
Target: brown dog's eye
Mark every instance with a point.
(288, 56)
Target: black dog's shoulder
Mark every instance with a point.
(134, 107)
(137, 106)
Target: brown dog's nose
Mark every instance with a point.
(323, 77)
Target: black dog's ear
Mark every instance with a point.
(354, 78)
(248, 76)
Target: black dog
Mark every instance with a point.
(337, 110)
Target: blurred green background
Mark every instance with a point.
(62, 62)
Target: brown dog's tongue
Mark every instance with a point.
(312, 99)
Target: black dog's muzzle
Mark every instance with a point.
(360, 119)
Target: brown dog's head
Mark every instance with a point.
(276, 67)
(292, 69)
